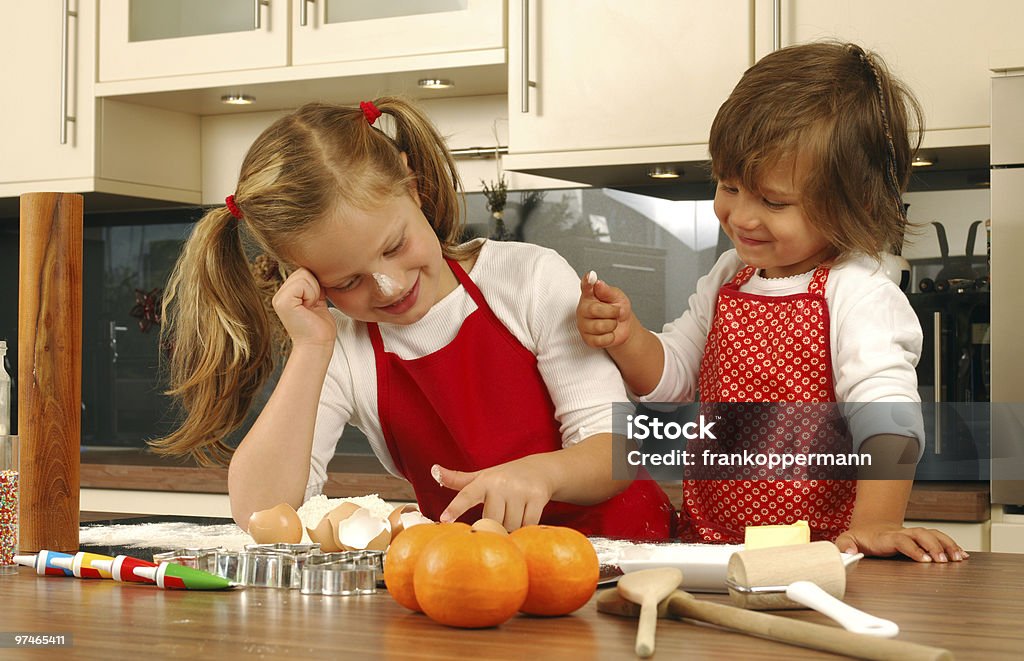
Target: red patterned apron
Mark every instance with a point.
(480, 401)
(768, 349)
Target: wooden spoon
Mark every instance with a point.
(647, 588)
(682, 605)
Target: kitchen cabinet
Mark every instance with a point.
(942, 49)
(150, 38)
(55, 135)
(603, 83)
(144, 39)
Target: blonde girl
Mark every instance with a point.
(810, 152)
(460, 362)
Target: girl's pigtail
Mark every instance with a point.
(437, 178)
(218, 335)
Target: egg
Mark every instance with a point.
(279, 524)
(323, 535)
(340, 513)
(363, 531)
(405, 516)
(489, 525)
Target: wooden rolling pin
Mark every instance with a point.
(50, 370)
(682, 605)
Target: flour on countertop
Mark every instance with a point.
(174, 535)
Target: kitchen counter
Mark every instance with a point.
(349, 475)
(971, 608)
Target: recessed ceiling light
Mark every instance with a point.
(663, 172)
(237, 99)
(923, 161)
(435, 83)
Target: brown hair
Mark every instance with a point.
(838, 110)
(217, 317)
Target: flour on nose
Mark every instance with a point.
(386, 285)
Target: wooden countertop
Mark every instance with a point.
(971, 608)
(350, 475)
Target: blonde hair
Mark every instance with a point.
(222, 333)
(837, 110)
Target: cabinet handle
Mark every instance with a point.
(634, 267)
(777, 25)
(258, 22)
(304, 12)
(64, 66)
(525, 77)
(937, 348)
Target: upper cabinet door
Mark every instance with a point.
(351, 30)
(152, 38)
(612, 74)
(942, 49)
(47, 124)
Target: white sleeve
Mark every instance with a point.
(332, 414)
(583, 382)
(683, 339)
(877, 346)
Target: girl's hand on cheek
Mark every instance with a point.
(514, 493)
(920, 544)
(302, 307)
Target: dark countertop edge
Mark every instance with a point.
(348, 475)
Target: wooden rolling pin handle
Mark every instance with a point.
(803, 634)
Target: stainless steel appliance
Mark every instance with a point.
(1007, 378)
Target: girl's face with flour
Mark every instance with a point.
(378, 265)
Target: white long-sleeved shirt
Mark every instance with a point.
(533, 291)
(875, 343)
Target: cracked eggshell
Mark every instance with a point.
(405, 516)
(279, 524)
(363, 531)
(323, 534)
(340, 513)
(489, 525)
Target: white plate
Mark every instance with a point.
(703, 565)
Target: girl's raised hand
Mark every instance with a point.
(920, 544)
(514, 493)
(302, 306)
(604, 314)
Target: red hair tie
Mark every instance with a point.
(229, 202)
(370, 111)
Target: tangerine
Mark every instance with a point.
(471, 579)
(400, 561)
(563, 568)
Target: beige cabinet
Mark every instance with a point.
(152, 38)
(57, 137)
(46, 119)
(600, 83)
(146, 39)
(351, 30)
(943, 49)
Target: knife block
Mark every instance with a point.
(50, 370)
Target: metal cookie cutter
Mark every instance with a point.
(196, 558)
(345, 573)
(268, 565)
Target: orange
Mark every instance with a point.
(563, 568)
(401, 557)
(471, 579)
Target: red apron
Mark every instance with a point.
(480, 401)
(768, 349)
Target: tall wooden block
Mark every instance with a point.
(50, 369)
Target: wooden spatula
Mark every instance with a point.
(773, 627)
(647, 588)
